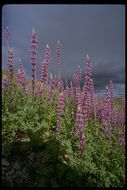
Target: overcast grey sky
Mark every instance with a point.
(98, 30)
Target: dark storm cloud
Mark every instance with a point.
(98, 30)
(109, 71)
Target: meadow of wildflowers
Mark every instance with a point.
(55, 134)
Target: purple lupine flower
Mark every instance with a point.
(92, 111)
(107, 113)
(21, 75)
(58, 51)
(50, 94)
(43, 72)
(78, 99)
(51, 88)
(34, 42)
(88, 88)
(98, 108)
(61, 86)
(4, 83)
(76, 83)
(75, 79)
(80, 128)
(59, 111)
(45, 66)
(106, 105)
(10, 63)
(41, 90)
(114, 116)
(47, 60)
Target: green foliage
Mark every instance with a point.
(36, 156)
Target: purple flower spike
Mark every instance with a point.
(10, 63)
(21, 75)
(59, 111)
(34, 42)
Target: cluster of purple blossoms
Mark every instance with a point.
(84, 92)
(59, 111)
(78, 99)
(34, 42)
(98, 108)
(51, 88)
(91, 103)
(21, 75)
(77, 77)
(88, 71)
(48, 55)
(58, 52)
(88, 89)
(43, 73)
(45, 66)
(5, 83)
(10, 63)
(80, 122)
(47, 60)
(84, 101)
(107, 110)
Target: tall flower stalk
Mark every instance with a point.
(59, 111)
(34, 42)
(43, 72)
(21, 75)
(107, 110)
(80, 125)
(58, 52)
(88, 88)
(47, 60)
(10, 64)
(4, 83)
(45, 66)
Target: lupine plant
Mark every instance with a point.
(21, 75)
(10, 64)
(67, 136)
(34, 42)
(59, 111)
